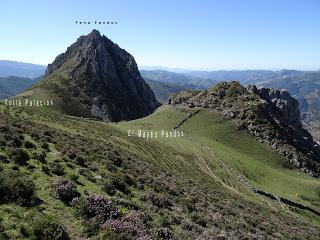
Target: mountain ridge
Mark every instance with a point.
(20, 69)
(270, 115)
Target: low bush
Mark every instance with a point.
(3, 158)
(159, 200)
(28, 144)
(47, 227)
(41, 156)
(17, 141)
(45, 169)
(45, 146)
(56, 168)
(74, 177)
(199, 219)
(15, 187)
(66, 190)
(109, 188)
(20, 156)
(81, 161)
(128, 227)
(115, 159)
(165, 234)
(95, 206)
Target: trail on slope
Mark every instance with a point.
(231, 172)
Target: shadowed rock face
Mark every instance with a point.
(108, 76)
(272, 116)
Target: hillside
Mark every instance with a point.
(184, 80)
(178, 188)
(20, 69)
(11, 86)
(270, 115)
(163, 91)
(104, 161)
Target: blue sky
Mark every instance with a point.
(194, 34)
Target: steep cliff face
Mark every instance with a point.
(104, 78)
(272, 116)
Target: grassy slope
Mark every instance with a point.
(187, 159)
(58, 87)
(257, 162)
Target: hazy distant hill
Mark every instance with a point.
(244, 76)
(177, 78)
(20, 69)
(162, 91)
(10, 86)
(305, 87)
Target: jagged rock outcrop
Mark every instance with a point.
(101, 79)
(272, 116)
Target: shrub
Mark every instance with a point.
(56, 168)
(128, 227)
(164, 233)
(115, 159)
(129, 180)
(41, 156)
(20, 156)
(81, 161)
(82, 171)
(35, 136)
(74, 177)
(45, 145)
(165, 220)
(16, 140)
(45, 169)
(95, 206)
(109, 188)
(28, 144)
(119, 183)
(48, 227)
(159, 200)
(66, 190)
(199, 219)
(3, 158)
(15, 187)
(72, 154)
(24, 231)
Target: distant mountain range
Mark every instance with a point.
(20, 69)
(303, 85)
(184, 80)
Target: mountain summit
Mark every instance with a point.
(95, 77)
(271, 116)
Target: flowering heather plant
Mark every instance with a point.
(96, 206)
(66, 190)
(130, 225)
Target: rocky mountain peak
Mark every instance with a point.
(272, 116)
(104, 78)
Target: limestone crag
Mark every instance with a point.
(105, 78)
(272, 116)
